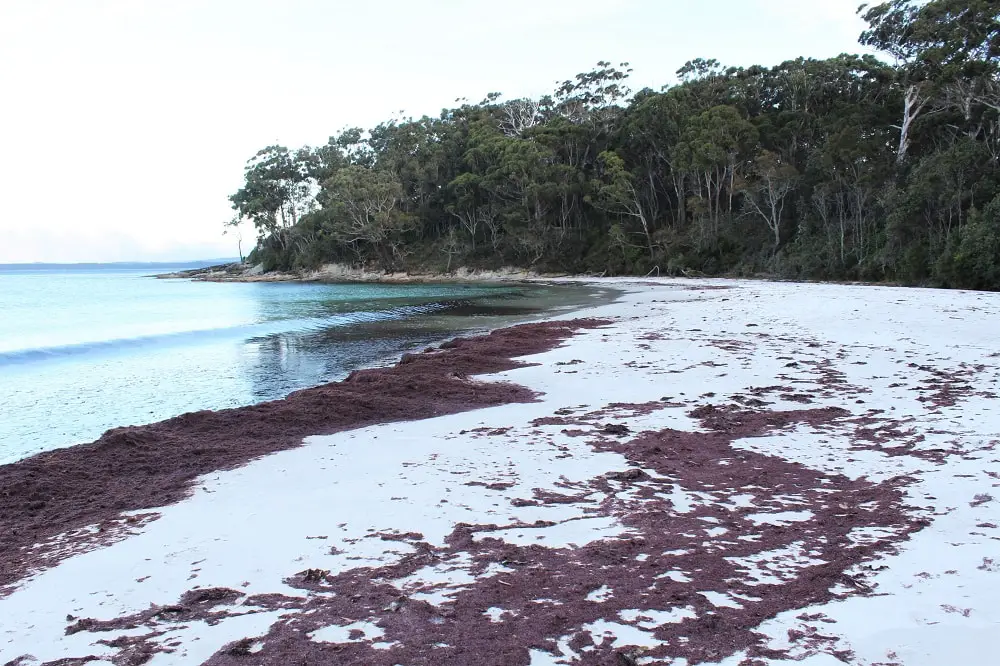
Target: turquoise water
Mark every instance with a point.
(84, 350)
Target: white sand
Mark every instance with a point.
(937, 602)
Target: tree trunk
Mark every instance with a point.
(913, 106)
(681, 200)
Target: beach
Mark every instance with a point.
(703, 471)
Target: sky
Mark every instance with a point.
(125, 124)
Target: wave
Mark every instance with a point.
(247, 332)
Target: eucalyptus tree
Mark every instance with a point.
(616, 193)
(944, 50)
(366, 216)
(714, 145)
(279, 189)
(651, 137)
(767, 188)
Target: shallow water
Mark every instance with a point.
(84, 350)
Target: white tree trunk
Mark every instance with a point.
(913, 106)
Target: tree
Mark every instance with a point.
(593, 96)
(974, 263)
(451, 246)
(365, 202)
(712, 145)
(519, 116)
(766, 190)
(468, 207)
(937, 46)
(234, 225)
(616, 193)
(700, 68)
(278, 191)
(652, 132)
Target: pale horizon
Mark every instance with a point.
(130, 120)
(150, 262)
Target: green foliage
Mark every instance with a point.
(844, 168)
(277, 191)
(973, 259)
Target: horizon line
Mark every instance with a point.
(120, 263)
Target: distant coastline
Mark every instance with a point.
(116, 265)
(237, 272)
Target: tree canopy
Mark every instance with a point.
(846, 168)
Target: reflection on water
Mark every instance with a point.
(282, 363)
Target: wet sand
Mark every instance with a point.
(720, 472)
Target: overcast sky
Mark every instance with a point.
(125, 124)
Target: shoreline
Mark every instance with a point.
(232, 360)
(344, 274)
(724, 471)
(47, 498)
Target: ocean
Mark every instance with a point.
(87, 348)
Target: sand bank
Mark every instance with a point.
(703, 472)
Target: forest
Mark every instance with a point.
(880, 169)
